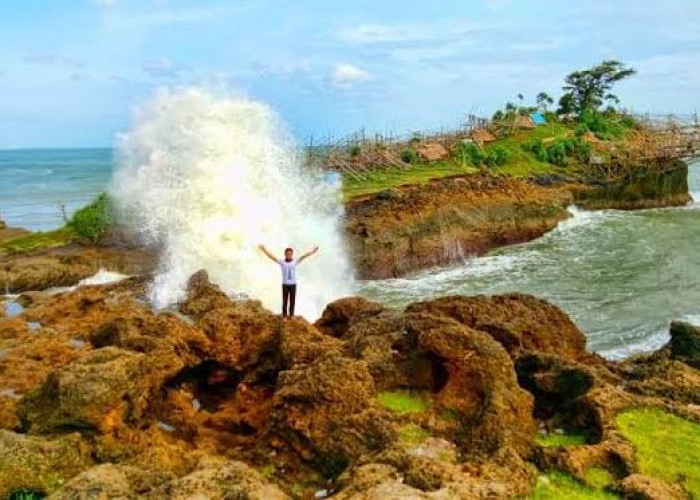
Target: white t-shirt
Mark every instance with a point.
(289, 271)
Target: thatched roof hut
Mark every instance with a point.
(482, 136)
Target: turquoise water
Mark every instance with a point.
(622, 276)
(35, 183)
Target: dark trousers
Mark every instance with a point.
(289, 295)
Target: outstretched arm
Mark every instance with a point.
(308, 254)
(267, 252)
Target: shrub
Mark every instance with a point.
(408, 156)
(497, 156)
(470, 153)
(94, 220)
(355, 151)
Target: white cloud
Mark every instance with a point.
(346, 75)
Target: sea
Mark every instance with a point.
(623, 276)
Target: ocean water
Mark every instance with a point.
(35, 183)
(622, 276)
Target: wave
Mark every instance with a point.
(209, 179)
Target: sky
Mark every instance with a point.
(72, 72)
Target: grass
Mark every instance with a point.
(555, 440)
(523, 163)
(667, 446)
(597, 477)
(560, 486)
(412, 435)
(403, 401)
(33, 241)
(419, 173)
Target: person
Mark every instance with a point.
(288, 265)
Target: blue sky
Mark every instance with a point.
(72, 71)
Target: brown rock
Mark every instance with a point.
(38, 464)
(340, 314)
(327, 411)
(640, 487)
(476, 378)
(106, 481)
(101, 392)
(519, 322)
(219, 480)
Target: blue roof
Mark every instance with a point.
(538, 118)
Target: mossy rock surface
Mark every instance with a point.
(667, 446)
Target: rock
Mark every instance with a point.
(326, 412)
(519, 322)
(221, 480)
(66, 266)
(685, 343)
(203, 296)
(556, 384)
(432, 152)
(37, 464)
(106, 481)
(242, 336)
(640, 487)
(340, 314)
(108, 388)
(475, 377)
(302, 344)
(374, 339)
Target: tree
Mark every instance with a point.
(544, 100)
(588, 89)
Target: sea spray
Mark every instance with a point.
(207, 179)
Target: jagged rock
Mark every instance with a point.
(101, 392)
(106, 481)
(640, 487)
(37, 464)
(203, 296)
(326, 411)
(219, 480)
(374, 339)
(302, 344)
(66, 266)
(340, 314)
(556, 384)
(242, 336)
(685, 343)
(519, 322)
(476, 378)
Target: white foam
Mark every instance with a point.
(208, 179)
(649, 344)
(102, 277)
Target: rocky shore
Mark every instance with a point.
(416, 227)
(102, 397)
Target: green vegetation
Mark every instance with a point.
(93, 221)
(388, 178)
(34, 241)
(412, 435)
(597, 477)
(588, 89)
(559, 486)
(667, 446)
(25, 495)
(567, 141)
(403, 401)
(556, 440)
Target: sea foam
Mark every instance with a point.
(207, 179)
